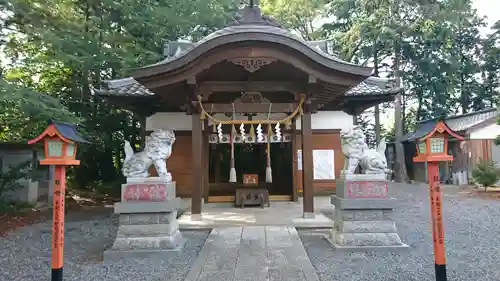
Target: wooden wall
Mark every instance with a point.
(479, 150)
(179, 164)
(324, 139)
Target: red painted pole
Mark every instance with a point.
(58, 223)
(437, 221)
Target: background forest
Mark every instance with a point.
(54, 53)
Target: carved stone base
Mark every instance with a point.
(363, 215)
(148, 221)
(365, 230)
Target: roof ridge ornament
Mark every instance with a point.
(252, 64)
(252, 14)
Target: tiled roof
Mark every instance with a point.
(373, 86)
(466, 121)
(124, 87)
(130, 87)
(422, 130)
(174, 50)
(69, 131)
(456, 123)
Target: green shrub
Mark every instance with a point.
(486, 173)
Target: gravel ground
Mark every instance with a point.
(472, 232)
(25, 254)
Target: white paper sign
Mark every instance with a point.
(324, 164)
(299, 160)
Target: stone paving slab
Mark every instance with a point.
(253, 253)
(218, 215)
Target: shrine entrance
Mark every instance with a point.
(250, 154)
(250, 159)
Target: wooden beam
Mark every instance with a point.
(194, 90)
(295, 161)
(206, 164)
(312, 79)
(250, 107)
(313, 92)
(197, 162)
(209, 87)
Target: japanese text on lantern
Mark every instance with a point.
(58, 227)
(145, 192)
(439, 218)
(367, 189)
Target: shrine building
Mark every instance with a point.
(252, 106)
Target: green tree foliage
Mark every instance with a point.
(299, 15)
(26, 112)
(67, 48)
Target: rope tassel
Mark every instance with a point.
(232, 170)
(269, 170)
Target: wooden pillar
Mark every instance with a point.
(295, 161)
(197, 150)
(206, 150)
(307, 165)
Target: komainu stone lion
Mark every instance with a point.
(157, 150)
(356, 153)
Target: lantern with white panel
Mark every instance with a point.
(432, 148)
(60, 142)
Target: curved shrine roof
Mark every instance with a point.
(251, 26)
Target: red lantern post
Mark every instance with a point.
(60, 141)
(432, 148)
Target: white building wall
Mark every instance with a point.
(178, 121)
(489, 132)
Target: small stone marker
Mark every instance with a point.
(363, 209)
(148, 219)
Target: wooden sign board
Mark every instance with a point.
(250, 179)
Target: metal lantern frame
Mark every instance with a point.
(433, 147)
(60, 144)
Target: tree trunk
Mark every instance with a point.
(377, 107)
(401, 174)
(419, 107)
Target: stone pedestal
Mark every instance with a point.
(363, 210)
(148, 220)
